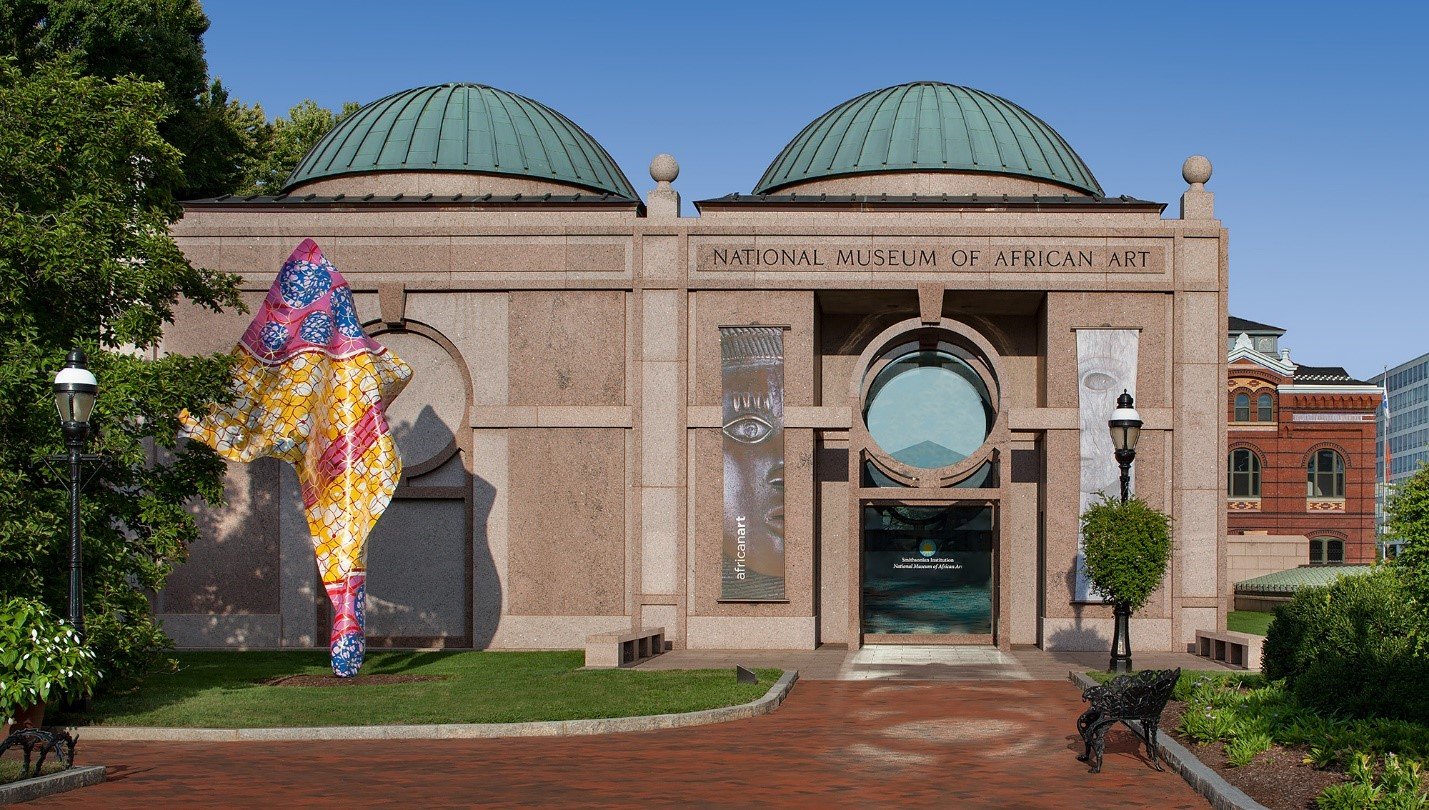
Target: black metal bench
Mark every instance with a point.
(48, 741)
(1138, 698)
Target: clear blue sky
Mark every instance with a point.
(1316, 116)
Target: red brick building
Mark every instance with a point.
(1301, 458)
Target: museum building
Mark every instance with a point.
(864, 403)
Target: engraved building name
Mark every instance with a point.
(1091, 258)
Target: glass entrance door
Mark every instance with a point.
(927, 571)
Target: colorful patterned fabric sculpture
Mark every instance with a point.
(309, 388)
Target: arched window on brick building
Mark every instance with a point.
(1264, 408)
(1242, 407)
(1243, 474)
(1325, 475)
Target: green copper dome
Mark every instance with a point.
(928, 126)
(463, 128)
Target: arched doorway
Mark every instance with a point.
(929, 431)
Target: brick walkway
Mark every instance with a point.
(1007, 744)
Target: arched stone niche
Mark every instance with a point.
(420, 555)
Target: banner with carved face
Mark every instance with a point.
(752, 372)
(1106, 366)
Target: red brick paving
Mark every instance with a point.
(988, 744)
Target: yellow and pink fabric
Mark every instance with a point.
(310, 387)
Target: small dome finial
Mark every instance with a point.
(664, 169)
(1196, 170)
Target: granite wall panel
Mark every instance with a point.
(567, 347)
(234, 565)
(566, 506)
(417, 577)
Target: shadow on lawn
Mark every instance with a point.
(397, 662)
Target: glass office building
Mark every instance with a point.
(1406, 428)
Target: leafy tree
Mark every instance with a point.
(155, 40)
(1408, 520)
(286, 141)
(1128, 546)
(86, 260)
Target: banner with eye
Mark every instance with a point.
(752, 376)
(1106, 366)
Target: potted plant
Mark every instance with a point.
(1127, 548)
(42, 659)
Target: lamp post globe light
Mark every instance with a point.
(1125, 426)
(75, 390)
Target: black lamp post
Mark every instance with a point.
(75, 389)
(1125, 425)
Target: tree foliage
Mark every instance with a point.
(86, 260)
(1127, 548)
(280, 145)
(226, 146)
(1407, 520)
(156, 40)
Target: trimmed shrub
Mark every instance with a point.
(1128, 546)
(41, 658)
(1352, 648)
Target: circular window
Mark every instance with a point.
(928, 408)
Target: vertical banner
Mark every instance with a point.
(752, 375)
(1106, 365)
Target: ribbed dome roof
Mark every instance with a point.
(463, 128)
(928, 127)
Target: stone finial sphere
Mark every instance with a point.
(1196, 169)
(664, 169)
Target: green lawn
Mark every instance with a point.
(224, 690)
(1249, 621)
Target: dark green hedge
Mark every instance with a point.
(1356, 647)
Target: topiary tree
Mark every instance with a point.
(1127, 549)
(1407, 519)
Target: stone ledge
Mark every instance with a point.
(1221, 794)
(69, 779)
(548, 728)
(1231, 648)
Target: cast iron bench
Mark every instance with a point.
(60, 743)
(1138, 698)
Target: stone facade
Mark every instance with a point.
(563, 462)
(1251, 555)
